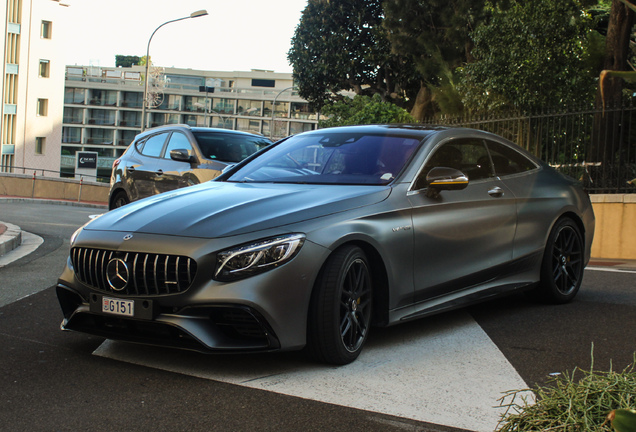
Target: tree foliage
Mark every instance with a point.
(364, 110)
(340, 45)
(531, 55)
(435, 33)
(126, 60)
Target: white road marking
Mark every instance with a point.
(606, 269)
(443, 370)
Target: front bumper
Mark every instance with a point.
(266, 312)
(211, 328)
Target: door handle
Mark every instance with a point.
(130, 168)
(159, 172)
(496, 192)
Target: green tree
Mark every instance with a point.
(435, 34)
(126, 60)
(364, 110)
(531, 55)
(340, 45)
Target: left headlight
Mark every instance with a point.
(254, 258)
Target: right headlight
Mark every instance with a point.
(258, 257)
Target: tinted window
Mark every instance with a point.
(227, 147)
(507, 160)
(153, 145)
(177, 141)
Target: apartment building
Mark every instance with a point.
(103, 107)
(32, 86)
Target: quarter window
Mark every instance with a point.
(153, 145)
(508, 161)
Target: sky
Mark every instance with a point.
(237, 35)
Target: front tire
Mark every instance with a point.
(563, 263)
(340, 309)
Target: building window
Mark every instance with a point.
(263, 83)
(39, 145)
(43, 107)
(45, 29)
(44, 68)
(74, 96)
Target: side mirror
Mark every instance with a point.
(181, 155)
(442, 178)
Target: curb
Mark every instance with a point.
(9, 199)
(10, 239)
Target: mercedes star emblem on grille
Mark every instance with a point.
(117, 274)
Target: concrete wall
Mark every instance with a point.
(28, 186)
(615, 236)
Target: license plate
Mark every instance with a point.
(118, 306)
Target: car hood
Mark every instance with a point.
(219, 209)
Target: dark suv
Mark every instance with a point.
(174, 156)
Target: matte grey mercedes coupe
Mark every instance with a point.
(316, 239)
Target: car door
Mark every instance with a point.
(460, 236)
(535, 206)
(172, 174)
(140, 170)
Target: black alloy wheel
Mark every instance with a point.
(563, 263)
(340, 310)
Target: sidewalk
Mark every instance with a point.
(10, 237)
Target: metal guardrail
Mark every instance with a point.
(33, 173)
(4, 169)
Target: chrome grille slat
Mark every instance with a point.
(156, 272)
(149, 274)
(134, 273)
(90, 267)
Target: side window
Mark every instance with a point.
(153, 145)
(467, 155)
(177, 141)
(508, 161)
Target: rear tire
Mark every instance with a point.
(119, 200)
(340, 309)
(563, 264)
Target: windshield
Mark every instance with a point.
(229, 147)
(331, 158)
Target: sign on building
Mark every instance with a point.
(86, 165)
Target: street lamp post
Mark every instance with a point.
(271, 127)
(196, 14)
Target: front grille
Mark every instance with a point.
(143, 274)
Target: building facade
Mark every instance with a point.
(32, 86)
(103, 107)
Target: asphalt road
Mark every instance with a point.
(51, 381)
